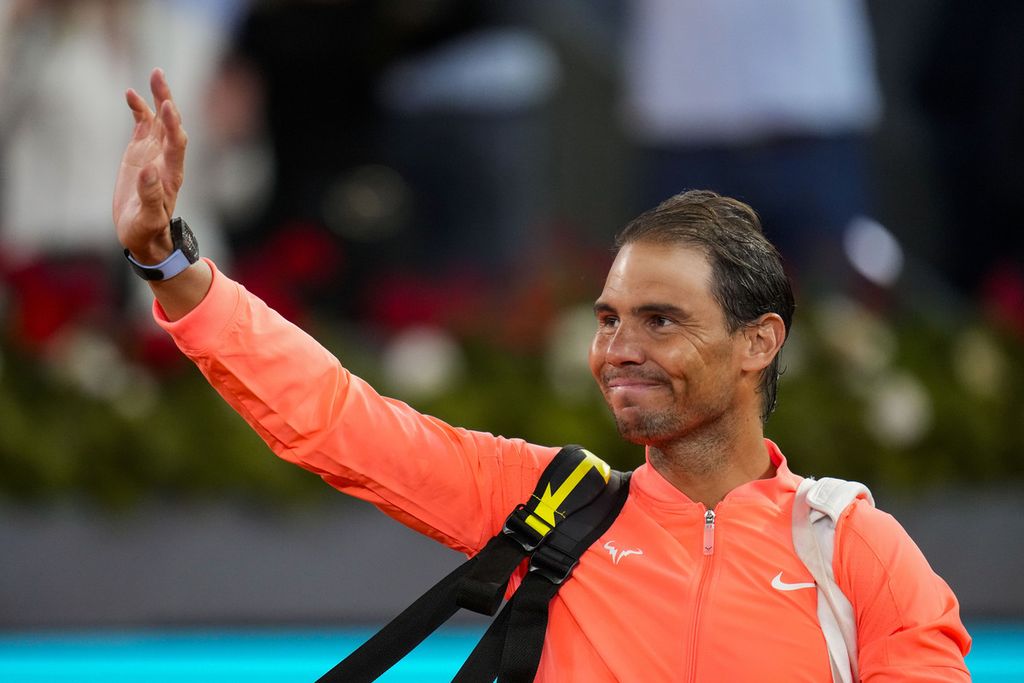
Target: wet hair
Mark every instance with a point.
(747, 277)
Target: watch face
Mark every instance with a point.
(184, 239)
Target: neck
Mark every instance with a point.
(711, 461)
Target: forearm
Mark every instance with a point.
(449, 483)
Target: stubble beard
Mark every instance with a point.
(661, 430)
(649, 428)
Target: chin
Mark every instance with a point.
(647, 430)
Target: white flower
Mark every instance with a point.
(857, 335)
(422, 362)
(91, 362)
(899, 413)
(979, 364)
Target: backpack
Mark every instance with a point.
(816, 509)
(576, 499)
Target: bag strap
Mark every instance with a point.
(511, 647)
(573, 479)
(578, 477)
(403, 633)
(550, 567)
(816, 509)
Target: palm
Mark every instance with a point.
(127, 203)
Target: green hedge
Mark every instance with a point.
(899, 403)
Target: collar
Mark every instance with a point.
(649, 483)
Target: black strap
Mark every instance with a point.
(551, 565)
(402, 634)
(527, 627)
(573, 479)
(510, 649)
(483, 662)
(570, 482)
(483, 587)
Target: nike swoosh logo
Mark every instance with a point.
(779, 584)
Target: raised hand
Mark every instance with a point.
(151, 174)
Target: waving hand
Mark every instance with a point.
(151, 173)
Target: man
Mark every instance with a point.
(696, 579)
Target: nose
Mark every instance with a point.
(624, 347)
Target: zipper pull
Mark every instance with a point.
(709, 532)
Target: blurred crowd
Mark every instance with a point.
(413, 162)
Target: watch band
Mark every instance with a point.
(186, 252)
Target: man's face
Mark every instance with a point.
(662, 354)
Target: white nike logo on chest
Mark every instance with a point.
(779, 584)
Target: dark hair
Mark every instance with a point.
(748, 279)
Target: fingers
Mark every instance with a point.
(175, 140)
(163, 139)
(167, 112)
(171, 119)
(161, 91)
(140, 110)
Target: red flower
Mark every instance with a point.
(1003, 297)
(298, 258)
(50, 295)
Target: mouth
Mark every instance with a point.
(630, 384)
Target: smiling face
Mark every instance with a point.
(663, 354)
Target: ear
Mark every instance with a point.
(762, 340)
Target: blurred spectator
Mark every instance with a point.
(482, 96)
(304, 74)
(63, 121)
(403, 139)
(973, 93)
(766, 101)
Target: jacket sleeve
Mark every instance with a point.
(452, 484)
(908, 620)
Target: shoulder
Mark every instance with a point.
(883, 572)
(908, 619)
(865, 528)
(872, 543)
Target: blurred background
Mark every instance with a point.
(431, 188)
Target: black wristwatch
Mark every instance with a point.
(186, 252)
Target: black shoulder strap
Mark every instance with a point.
(511, 647)
(573, 479)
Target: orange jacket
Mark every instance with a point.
(647, 601)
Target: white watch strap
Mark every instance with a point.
(166, 269)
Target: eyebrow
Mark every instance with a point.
(657, 308)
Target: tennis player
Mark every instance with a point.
(697, 578)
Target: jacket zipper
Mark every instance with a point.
(702, 586)
(709, 532)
